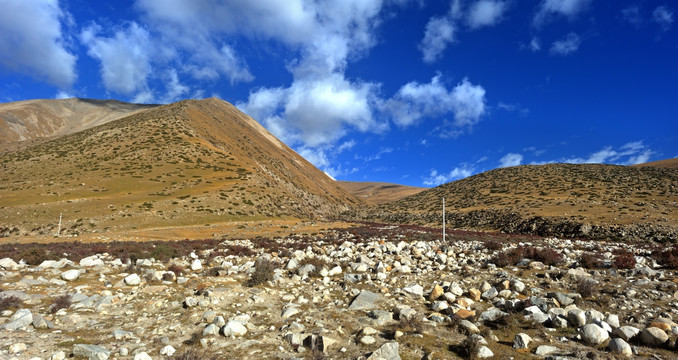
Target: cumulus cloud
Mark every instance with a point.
(415, 101)
(549, 9)
(434, 178)
(567, 45)
(630, 153)
(124, 57)
(511, 159)
(32, 42)
(61, 94)
(486, 13)
(439, 33)
(663, 17)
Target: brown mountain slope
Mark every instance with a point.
(668, 164)
(191, 162)
(545, 198)
(31, 119)
(376, 193)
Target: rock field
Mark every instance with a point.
(405, 295)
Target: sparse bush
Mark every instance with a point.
(176, 269)
(469, 347)
(60, 302)
(168, 276)
(239, 250)
(667, 258)
(264, 270)
(193, 354)
(35, 255)
(494, 245)
(625, 260)
(316, 262)
(590, 260)
(10, 303)
(514, 255)
(214, 271)
(587, 288)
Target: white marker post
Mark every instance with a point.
(59, 230)
(443, 219)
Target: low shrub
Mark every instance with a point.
(513, 256)
(10, 303)
(587, 288)
(60, 302)
(494, 245)
(264, 270)
(178, 270)
(625, 260)
(667, 258)
(590, 260)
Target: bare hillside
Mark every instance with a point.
(379, 193)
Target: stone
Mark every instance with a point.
(8, 264)
(490, 294)
(388, 351)
(455, 289)
(17, 348)
(380, 317)
(653, 336)
(415, 289)
(562, 299)
(364, 301)
(439, 306)
(491, 314)
(92, 352)
(196, 265)
(517, 286)
(132, 280)
(39, 322)
(521, 341)
(210, 329)
(367, 340)
(484, 352)
(474, 294)
(470, 327)
(142, 356)
(618, 346)
(594, 335)
(168, 350)
(465, 314)
(437, 292)
(290, 311)
(334, 271)
(626, 332)
(22, 318)
(613, 320)
(576, 317)
(234, 328)
(546, 350)
(91, 261)
(70, 275)
(60, 355)
(306, 270)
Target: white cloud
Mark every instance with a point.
(628, 154)
(175, 90)
(32, 43)
(439, 33)
(511, 159)
(434, 178)
(567, 45)
(535, 45)
(124, 57)
(486, 13)
(663, 17)
(415, 101)
(61, 94)
(632, 15)
(550, 8)
(514, 108)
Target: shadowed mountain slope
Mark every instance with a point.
(191, 162)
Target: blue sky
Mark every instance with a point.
(411, 92)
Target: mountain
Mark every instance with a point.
(31, 119)
(668, 163)
(187, 163)
(376, 193)
(587, 200)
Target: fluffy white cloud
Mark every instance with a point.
(31, 41)
(550, 8)
(434, 178)
(663, 17)
(567, 45)
(535, 45)
(486, 13)
(61, 94)
(439, 33)
(124, 57)
(511, 159)
(415, 101)
(628, 154)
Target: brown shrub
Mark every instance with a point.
(10, 303)
(193, 354)
(625, 260)
(590, 260)
(60, 302)
(494, 245)
(587, 288)
(176, 269)
(264, 270)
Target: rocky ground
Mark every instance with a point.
(370, 292)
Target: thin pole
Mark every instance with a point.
(59, 230)
(443, 219)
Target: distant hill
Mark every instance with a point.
(667, 164)
(187, 163)
(32, 119)
(378, 192)
(585, 200)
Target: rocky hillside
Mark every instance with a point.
(187, 163)
(373, 293)
(668, 164)
(379, 193)
(591, 200)
(32, 119)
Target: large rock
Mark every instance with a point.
(576, 317)
(196, 265)
(132, 280)
(618, 346)
(21, 319)
(491, 314)
(364, 301)
(626, 332)
(594, 335)
(92, 352)
(653, 336)
(91, 261)
(388, 351)
(8, 264)
(521, 341)
(70, 275)
(415, 289)
(437, 292)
